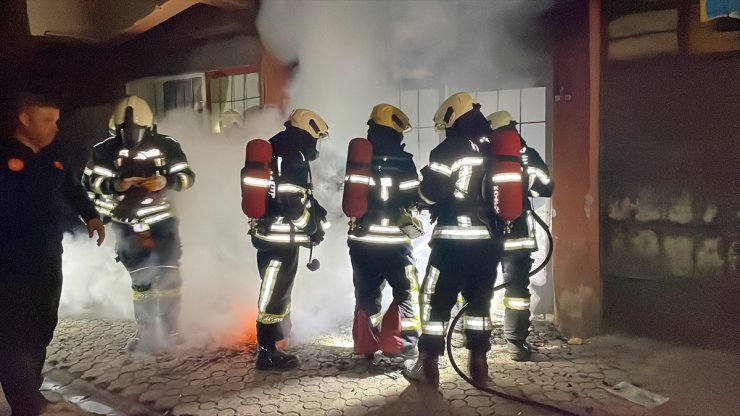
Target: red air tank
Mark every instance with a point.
(357, 177)
(506, 176)
(256, 178)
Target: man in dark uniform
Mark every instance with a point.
(378, 247)
(464, 254)
(519, 245)
(133, 172)
(293, 219)
(34, 183)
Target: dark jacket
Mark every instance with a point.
(156, 154)
(393, 188)
(33, 189)
(293, 216)
(452, 181)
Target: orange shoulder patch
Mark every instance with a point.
(15, 164)
(58, 165)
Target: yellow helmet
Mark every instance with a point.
(499, 119)
(309, 121)
(390, 116)
(142, 114)
(451, 109)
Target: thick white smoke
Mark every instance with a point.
(351, 55)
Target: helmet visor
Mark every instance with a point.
(131, 134)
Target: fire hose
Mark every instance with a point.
(490, 294)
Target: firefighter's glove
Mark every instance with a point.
(410, 226)
(318, 236)
(153, 183)
(123, 184)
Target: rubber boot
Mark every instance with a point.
(520, 350)
(169, 313)
(390, 341)
(270, 358)
(425, 370)
(478, 368)
(145, 313)
(364, 335)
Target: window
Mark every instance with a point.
(231, 94)
(183, 93)
(170, 92)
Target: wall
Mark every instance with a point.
(671, 206)
(575, 140)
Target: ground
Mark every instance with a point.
(88, 366)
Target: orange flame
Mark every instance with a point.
(244, 330)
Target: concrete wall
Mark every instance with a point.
(575, 167)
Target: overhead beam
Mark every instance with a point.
(230, 4)
(160, 14)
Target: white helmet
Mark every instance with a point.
(452, 109)
(133, 119)
(142, 114)
(499, 119)
(390, 116)
(309, 121)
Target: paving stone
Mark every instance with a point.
(558, 395)
(223, 382)
(479, 401)
(355, 411)
(165, 403)
(268, 408)
(186, 409)
(135, 390)
(463, 411)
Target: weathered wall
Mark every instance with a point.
(575, 228)
(671, 206)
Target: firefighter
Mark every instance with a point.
(519, 245)
(133, 171)
(379, 249)
(465, 253)
(293, 219)
(35, 184)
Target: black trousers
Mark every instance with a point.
(372, 266)
(516, 266)
(29, 306)
(278, 265)
(458, 266)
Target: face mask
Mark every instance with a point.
(132, 135)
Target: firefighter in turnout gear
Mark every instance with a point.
(519, 244)
(379, 248)
(293, 219)
(465, 254)
(132, 173)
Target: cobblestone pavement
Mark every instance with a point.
(88, 365)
